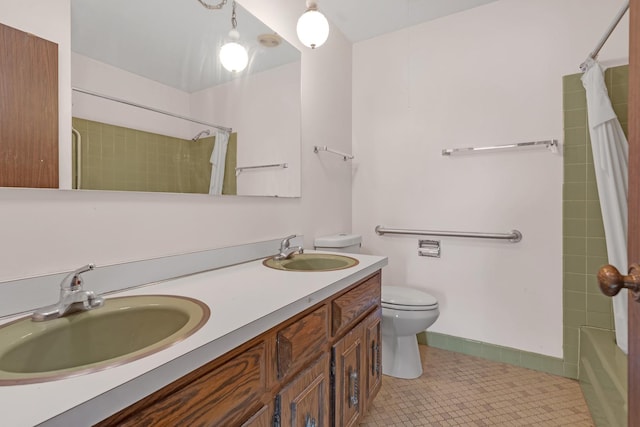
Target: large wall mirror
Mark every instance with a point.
(151, 100)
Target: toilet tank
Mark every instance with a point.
(339, 243)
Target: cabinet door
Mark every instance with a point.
(305, 400)
(373, 362)
(348, 358)
(28, 110)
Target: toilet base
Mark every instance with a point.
(401, 357)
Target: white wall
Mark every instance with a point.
(491, 75)
(46, 231)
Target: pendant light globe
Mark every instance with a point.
(233, 55)
(313, 27)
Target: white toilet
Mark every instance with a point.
(405, 312)
(342, 242)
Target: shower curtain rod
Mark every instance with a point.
(606, 35)
(155, 110)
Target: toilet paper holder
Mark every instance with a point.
(429, 248)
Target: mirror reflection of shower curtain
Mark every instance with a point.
(611, 161)
(218, 157)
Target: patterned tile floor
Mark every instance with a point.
(460, 390)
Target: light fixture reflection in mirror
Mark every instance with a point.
(164, 54)
(233, 55)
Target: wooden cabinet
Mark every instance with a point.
(305, 400)
(262, 418)
(320, 368)
(28, 110)
(348, 368)
(228, 394)
(301, 342)
(351, 305)
(373, 355)
(357, 365)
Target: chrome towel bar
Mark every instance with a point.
(239, 169)
(345, 156)
(514, 237)
(551, 144)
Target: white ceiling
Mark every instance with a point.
(175, 41)
(363, 19)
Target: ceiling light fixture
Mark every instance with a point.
(233, 55)
(313, 27)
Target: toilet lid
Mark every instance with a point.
(405, 298)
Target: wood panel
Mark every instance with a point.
(262, 418)
(227, 395)
(28, 110)
(305, 400)
(373, 360)
(348, 308)
(302, 341)
(634, 207)
(348, 356)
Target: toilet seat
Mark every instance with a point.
(407, 299)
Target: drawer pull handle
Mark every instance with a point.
(353, 385)
(310, 421)
(375, 358)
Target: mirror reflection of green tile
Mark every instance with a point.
(125, 159)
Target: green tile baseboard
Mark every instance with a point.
(497, 353)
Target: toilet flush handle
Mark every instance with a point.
(611, 281)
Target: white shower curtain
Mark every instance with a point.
(217, 160)
(611, 160)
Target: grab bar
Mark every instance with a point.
(514, 237)
(78, 157)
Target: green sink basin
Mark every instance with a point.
(312, 262)
(123, 330)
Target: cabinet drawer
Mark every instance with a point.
(302, 341)
(347, 308)
(226, 395)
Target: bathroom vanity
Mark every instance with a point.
(320, 366)
(280, 348)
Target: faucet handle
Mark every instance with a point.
(73, 280)
(285, 242)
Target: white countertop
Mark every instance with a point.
(245, 300)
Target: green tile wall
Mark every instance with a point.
(118, 158)
(584, 248)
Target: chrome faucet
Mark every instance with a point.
(72, 298)
(286, 250)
